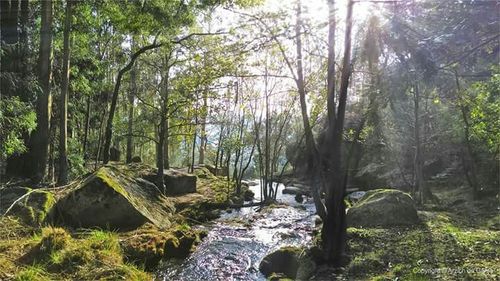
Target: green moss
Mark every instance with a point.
(376, 194)
(418, 253)
(53, 239)
(148, 245)
(103, 174)
(34, 207)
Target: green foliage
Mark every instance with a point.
(75, 158)
(483, 102)
(16, 119)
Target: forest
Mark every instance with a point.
(249, 140)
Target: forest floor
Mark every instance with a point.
(44, 252)
(457, 240)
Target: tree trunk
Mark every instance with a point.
(331, 63)
(193, 149)
(333, 232)
(8, 21)
(130, 121)
(219, 149)
(163, 128)
(44, 102)
(311, 150)
(87, 126)
(203, 133)
(419, 177)
(63, 125)
(23, 37)
(166, 157)
(468, 162)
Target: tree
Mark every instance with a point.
(333, 232)
(63, 126)
(40, 146)
(114, 99)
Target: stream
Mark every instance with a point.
(238, 241)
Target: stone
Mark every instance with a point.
(136, 159)
(114, 198)
(148, 245)
(383, 207)
(253, 183)
(203, 172)
(34, 208)
(219, 171)
(178, 182)
(294, 190)
(248, 195)
(299, 198)
(288, 262)
(114, 154)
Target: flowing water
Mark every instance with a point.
(238, 241)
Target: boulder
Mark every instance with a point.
(248, 195)
(219, 171)
(113, 198)
(299, 198)
(177, 182)
(383, 207)
(114, 154)
(295, 190)
(203, 172)
(288, 262)
(147, 245)
(253, 183)
(136, 159)
(32, 206)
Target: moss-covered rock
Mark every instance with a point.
(288, 262)
(33, 208)
(176, 182)
(383, 207)
(148, 245)
(113, 198)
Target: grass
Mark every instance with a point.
(53, 253)
(446, 247)
(30, 250)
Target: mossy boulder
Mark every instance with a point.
(383, 207)
(288, 262)
(177, 182)
(203, 172)
(295, 190)
(148, 245)
(112, 198)
(136, 159)
(33, 207)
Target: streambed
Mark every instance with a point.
(238, 241)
